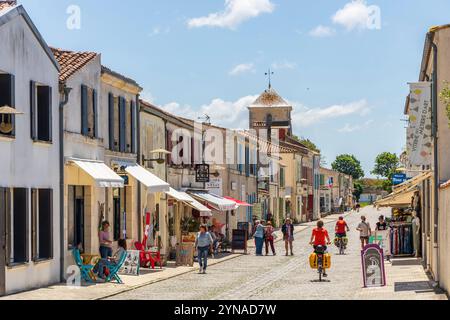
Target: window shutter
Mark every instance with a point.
(133, 126)
(33, 110)
(84, 111)
(111, 121)
(34, 238)
(122, 124)
(95, 106)
(247, 161)
(8, 238)
(12, 97)
(50, 114)
(51, 224)
(169, 146)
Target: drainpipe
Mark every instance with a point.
(139, 161)
(436, 158)
(64, 92)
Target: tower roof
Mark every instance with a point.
(270, 98)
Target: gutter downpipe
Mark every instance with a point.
(64, 92)
(139, 161)
(436, 158)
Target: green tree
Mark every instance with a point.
(308, 143)
(386, 164)
(358, 189)
(348, 164)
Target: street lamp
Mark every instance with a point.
(6, 123)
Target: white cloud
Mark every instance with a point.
(242, 68)
(305, 117)
(322, 32)
(349, 128)
(229, 114)
(235, 13)
(357, 15)
(234, 114)
(284, 65)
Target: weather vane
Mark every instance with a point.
(270, 73)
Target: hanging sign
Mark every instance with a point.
(202, 173)
(372, 260)
(398, 178)
(214, 186)
(419, 140)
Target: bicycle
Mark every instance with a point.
(320, 252)
(340, 243)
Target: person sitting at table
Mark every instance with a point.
(111, 261)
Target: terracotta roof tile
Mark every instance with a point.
(70, 61)
(270, 98)
(7, 4)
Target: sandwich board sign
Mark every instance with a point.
(372, 260)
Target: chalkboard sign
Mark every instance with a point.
(373, 266)
(239, 240)
(185, 254)
(244, 226)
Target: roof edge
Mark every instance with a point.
(19, 10)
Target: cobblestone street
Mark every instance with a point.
(280, 277)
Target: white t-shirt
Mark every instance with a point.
(365, 227)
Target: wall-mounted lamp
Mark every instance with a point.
(161, 156)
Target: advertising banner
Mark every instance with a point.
(419, 140)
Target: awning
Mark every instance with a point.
(239, 202)
(204, 211)
(103, 175)
(398, 200)
(152, 182)
(180, 196)
(403, 192)
(218, 203)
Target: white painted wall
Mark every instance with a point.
(24, 163)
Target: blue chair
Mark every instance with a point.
(85, 269)
(114, 269)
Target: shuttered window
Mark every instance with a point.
(41, 224)
(111, 121)
(18, 238)
(40, 112)
(122, 124)
(89, 112)
(7, 98)
(134, 112)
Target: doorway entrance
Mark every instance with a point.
(76, 216)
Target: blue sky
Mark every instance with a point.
(347, 82)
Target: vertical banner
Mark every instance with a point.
(316, 173)
(419, 140)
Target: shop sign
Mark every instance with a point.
(398, 178)
(214, 186)
(257, 210)
(202, 173)
(372, 260)
(419, 140)
(132, 263)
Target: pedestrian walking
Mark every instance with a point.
(364, 232)
(203, 243)
(288, 235)
(381, 224)
(105, 241)
(269, 238)
(259, 237)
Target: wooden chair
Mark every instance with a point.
(148, 257)
(86, 270)
(114, 268)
